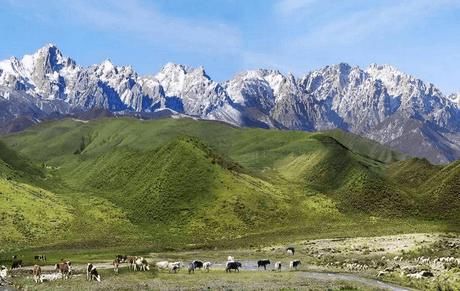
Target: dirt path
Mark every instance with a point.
(352, 278)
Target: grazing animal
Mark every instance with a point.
(37, 274)
(3, 272)
(290, 251)
(121, 258)
(207, 266)
(115, 264)
(162, 265)
(64, 269)
(263, 263)
(198, 264)
(420, 275)
(294, 264)
(174, 267)
(229, 259)
(141, 264)
(278, 266)
(3, 275)
(16, 264)
(40, 258)
(233, 266)
(191, 268)
(131, 262)
(92, 274)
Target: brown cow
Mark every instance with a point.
(37, 274)
(64, 268)
(132, 262)
(115, 264)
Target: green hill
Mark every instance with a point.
(176, 181)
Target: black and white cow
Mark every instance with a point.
(278, 266)
(16, 264)
(141, 264)
(92, 274)
(233, 266)
(207, 266)
(290, 251)
(197, 264)
(3, 275)
(40, 258)
(294, 264)
(263, 263)
(121, 258)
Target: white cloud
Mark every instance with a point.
(141, 20)
(372, 23)
(147, 23)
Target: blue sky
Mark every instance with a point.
(420, 37)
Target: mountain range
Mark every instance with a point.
(378, 102)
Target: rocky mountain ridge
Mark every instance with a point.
(378, 102)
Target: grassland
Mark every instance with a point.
(198, 184)
(216, 280)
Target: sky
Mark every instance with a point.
(419, 37)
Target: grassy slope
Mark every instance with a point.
(175, 181)
(31, 214)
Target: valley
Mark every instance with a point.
(88, 190)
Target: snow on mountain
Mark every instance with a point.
(455, 98)
(379, 102)
(191, 91)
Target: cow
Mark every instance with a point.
(290, 251)
(91, 273)
(174, 267)
(64, 268)
(131, 262)
(16, 264)
(141, 264)
(115, 265)
(207, 266)
(197, 264)
(3, 274)
(233, 266)
(263, 263)
(294, 264)
(162, 265)
(37, 274)
(278, 266)
(40, 258)
(229, 259)
(121, 258)
(191, 268)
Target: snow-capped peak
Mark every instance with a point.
(455, 98)
(388, 74)
(375, 101)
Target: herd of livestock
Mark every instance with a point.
(63, 269)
